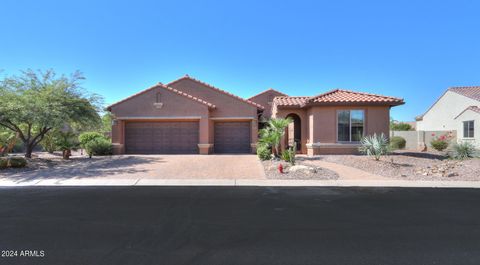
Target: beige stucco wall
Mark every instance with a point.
(442, 115)
(319, 125)
(469, 115)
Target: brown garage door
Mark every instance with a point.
(232, 137)
(161, 137)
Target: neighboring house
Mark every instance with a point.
(456, 110)
(188, 116)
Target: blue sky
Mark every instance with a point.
(409, 49)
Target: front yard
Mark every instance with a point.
(409, 165)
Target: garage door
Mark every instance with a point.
(232, 137)
(161, 137)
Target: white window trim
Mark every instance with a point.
(350, 125)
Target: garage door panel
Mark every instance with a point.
(161, 137)
(232, 137)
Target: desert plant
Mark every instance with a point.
(8, 141)
(401, 126)
(264, 152)
(374, 145)
(441, 142)
(99, 147)
(17, 162)
(289, 155)
(86, 137)
(66, 142)
(397, 142)
(272, 134)
(463, 150)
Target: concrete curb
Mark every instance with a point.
(241, 182)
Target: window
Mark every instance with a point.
(468, 129)
(350, 125)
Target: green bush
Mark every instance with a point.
(439, 144)
(86, 137)
(99, 147)
(401, 126)
(264, 152)
(374, 145)
(289, 155)
(463, 150)
(3, 162)
(17, 162)
(397, 142)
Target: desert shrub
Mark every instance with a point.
(374, 145)
(3, 162)
(463, 150)
(397, 142)
(99, 147)
(86, 137)
(289, 155)
(17, 162)
(441, 142)
(264, 152)
(401, 127)
(49, 142)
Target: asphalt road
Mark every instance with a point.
(240, 225)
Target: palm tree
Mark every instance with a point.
(273, 133)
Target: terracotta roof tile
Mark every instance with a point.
(468, 91)
(290, 101)
(160, 85)
(217, 89)
(347, 96)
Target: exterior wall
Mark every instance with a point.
(418, 140)
(319, 127)
(141, 107)
(441, 116)
(227, 106)
(265, 99)
(469, 115)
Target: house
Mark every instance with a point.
(188, 116)
(456, 110)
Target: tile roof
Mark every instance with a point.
(217, 89)
(290, 101)
(338, 96)
(468, 91)
(160, 85)
(268, 90)
(347, 96)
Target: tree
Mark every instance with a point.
(401, 126)
(34, 103)
(107, 119)
(273, 133)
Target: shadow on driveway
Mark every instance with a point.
(82, 168)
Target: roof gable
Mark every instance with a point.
(187, 77)
(347, 96)
(268, 91)
(472, 108)
(160, 85)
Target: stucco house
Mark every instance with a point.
(188, 116)
(458, 109)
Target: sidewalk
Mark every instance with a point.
(244, 182)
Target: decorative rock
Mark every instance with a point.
(302, 168)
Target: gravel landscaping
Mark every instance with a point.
(410, 165)
(301, 171)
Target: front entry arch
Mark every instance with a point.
(294, 132)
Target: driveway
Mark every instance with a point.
(145, 167)
(240, 225)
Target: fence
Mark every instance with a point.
(416, 139)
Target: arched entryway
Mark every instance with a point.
(294, 132)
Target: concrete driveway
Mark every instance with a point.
(145, 167)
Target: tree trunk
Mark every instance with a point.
(28, 150)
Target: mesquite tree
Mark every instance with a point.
(34, 103)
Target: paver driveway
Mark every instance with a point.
(148, 167)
